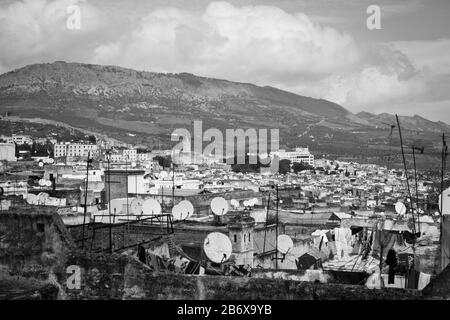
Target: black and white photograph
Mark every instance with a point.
(240, 152)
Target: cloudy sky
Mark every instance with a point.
(318, 48)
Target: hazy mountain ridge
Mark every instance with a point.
(116, 101)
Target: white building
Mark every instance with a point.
(7, 151)
(125, 155)
(18, 139)
(299, 155)
(73, 149)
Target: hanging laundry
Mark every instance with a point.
(424, 280)
(391, 261)
(413, 279)
(343, 238)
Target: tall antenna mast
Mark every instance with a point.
(416, 185)
(409, 190)
(265, 229)
(173, 183)
(85, 197)
(276, 233)
(109, 200)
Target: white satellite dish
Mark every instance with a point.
(41, 182)
(234, 203)
(284, 244)
(255, 201)
(133, 164)
(183, 210)
(151, 206)
(48, 183)
(43, 197)
(51, 160)
(217, 247)
(400, 208)
(219, 206)
(41, 164)
(445, 198)
(163, 175)
(32, 198)
(117, 206)
(136, 207)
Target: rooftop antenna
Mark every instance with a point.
(173, 183)
(108, 155)
(443, 168)
(276, 229)
(392, 126)
(217, 247)
(421, 150)
(265, 229)
(409, 190)
(88, 162)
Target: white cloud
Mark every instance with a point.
(36, 31)
(251, 43)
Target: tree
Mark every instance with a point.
(300, 166)
(284, 166)
(165, 162)
(92, 139)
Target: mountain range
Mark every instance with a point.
(145, 107)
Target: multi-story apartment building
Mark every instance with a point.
(299, 155)
(73, 149)
(18, 139)
(124, 155)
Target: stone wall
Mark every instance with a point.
(32, 244)
(122, 277)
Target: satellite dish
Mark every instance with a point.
(41, 164)
(51, 160)
(48, 183)
(32, 198)
(117, 205)
(217, 247)
(43, 197)
(255, 201)
(219, 206)
(285, 244)
(183, 210)
(41, 181)
(163, 175)
(151, 206)
(133, 164)
(136, 207)
(445, 198)
(400, 208)
(234, 203)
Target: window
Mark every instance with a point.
(235, 238)
(249, 237)
(40, 227)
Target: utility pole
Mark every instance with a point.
(417, 187)
(276, 232)
(173, 184)
(85, 197)
(109, 201)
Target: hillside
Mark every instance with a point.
(145, 107)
